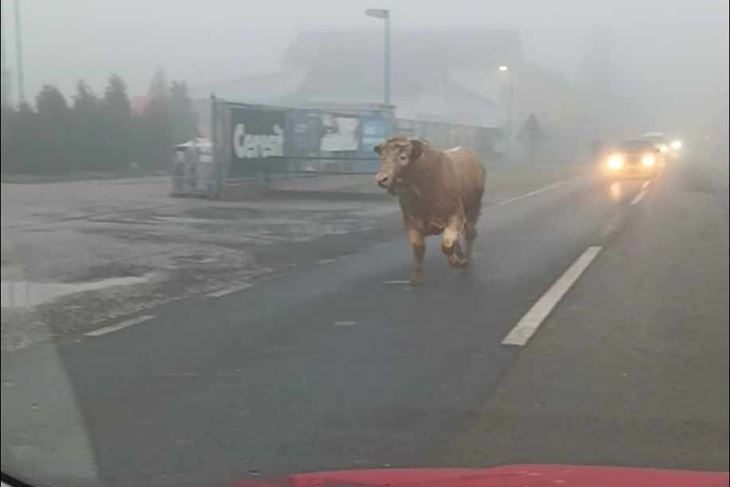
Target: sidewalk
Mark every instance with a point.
(632, 367)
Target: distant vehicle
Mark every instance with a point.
(670, 148)
(633, 158)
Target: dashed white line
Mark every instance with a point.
(228, 290)
(639, 196)
(531, 321)
(173, 374)
(344, 323)
(119, 326)
(396, 282)
(646, 184)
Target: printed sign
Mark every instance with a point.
(303, 133)
(257, 139)
(374, 130)
(257, 133)
(339, 133)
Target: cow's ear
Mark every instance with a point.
(377, 149)
(416, 149)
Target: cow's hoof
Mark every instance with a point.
(458, 262)
(416, 279)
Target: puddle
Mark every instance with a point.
(26, 294)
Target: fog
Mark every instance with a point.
(667, 60)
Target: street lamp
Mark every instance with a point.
(5, 80)
(505, 69)
(384, 14)
(19, 50)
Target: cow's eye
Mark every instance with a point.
(402, 158)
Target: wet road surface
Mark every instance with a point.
(336, 364)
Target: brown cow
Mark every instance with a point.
(438, 191)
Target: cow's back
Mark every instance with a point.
(471, 175)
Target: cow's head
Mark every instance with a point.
(397, 155)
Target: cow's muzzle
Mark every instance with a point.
(385, 181)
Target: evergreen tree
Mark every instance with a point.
(116, 121)
(87, 147)
(54, 134)
(184, 120)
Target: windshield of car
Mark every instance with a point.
(246, 240)
(656, 140)
(636, 146)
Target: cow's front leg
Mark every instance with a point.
(418, 244)
(450, 244)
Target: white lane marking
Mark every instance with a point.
(396, 282)
(639, 196)
(119, 326)
(646, 184)
(228, 290)
(535, 192)
(344, 323)
(173, 374)
(531, 321)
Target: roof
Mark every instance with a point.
(424, 49)
(345, 62)
(346, 66)
(266, 88)
(341, 68)
(138, 104)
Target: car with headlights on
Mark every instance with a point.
(633, 159)
(668, 147)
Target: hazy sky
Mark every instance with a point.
(226, 39)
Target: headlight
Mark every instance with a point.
(648, 160)
(676, 145)
(615, 162)
(663, 148)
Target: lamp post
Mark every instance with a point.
(19, 50)
(510, 98)
(379, 13)
(5, 80)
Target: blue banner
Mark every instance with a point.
(374, 130)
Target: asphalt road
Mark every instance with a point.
(336, 364)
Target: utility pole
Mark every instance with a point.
(5, 74)
(385, 15)
(19, 49)
(386, 68)
(510, 102)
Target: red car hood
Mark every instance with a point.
(505, 476)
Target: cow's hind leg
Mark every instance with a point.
(470, 234)
(418, 244)
(470, 227)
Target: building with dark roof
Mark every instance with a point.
(446, 76)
